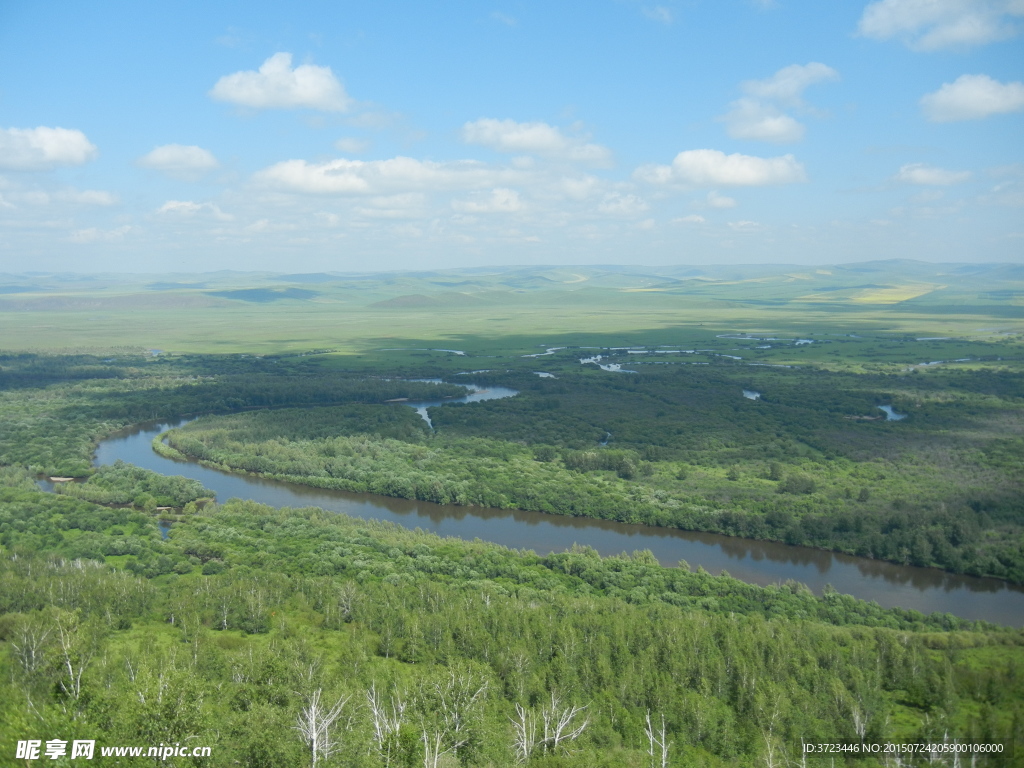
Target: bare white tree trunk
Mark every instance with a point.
(387, 720)
(433, 748)
(659, 744)
(560, 725)
(76, 653)
(771, 749)
(449, 730)
(316, 725)
(524, 726)
(860, 722)
(224, 610)
(347, 596)
(457, 695)
(29, 645)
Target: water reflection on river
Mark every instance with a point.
(476, 395)
(758, 562)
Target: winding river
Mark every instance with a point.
(758, 562)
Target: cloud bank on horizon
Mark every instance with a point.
(342, 136)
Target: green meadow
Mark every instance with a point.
(508, 310)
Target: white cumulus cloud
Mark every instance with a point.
(38, 197)
(919, 173)
(759, 115)
(744, 226)
(716, 200)
(86, 197)
(929, 25)
(351, 145)
(788, 84)
(179, 159)
(615, 204)
(710, 167)
(93, 234)
(578, 187)
(972, 97)
(752, 119)
(533, 138)
(360, 177)
(498, 200)
(406, 205)
(30, 149)
(279, 86)
(190, 208)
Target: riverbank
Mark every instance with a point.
(756, 562)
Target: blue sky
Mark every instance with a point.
(399, 135)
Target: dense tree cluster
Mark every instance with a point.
(449, 647)
(54, 412)
(123, 483)
(300, 637)
(681, 449)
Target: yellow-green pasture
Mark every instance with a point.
(629, 317)
(887, 313)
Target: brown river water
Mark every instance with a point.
(757, 562)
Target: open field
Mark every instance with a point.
(473, 309)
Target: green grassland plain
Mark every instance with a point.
(516, 309)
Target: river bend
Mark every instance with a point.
(757, 562)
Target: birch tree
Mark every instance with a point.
(453, 700)
(29, 641)
(658, 742)
(559, 725)
(524, 728)
(77, 643)
(316, 724)
(387, 719)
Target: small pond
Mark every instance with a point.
(890, 414)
